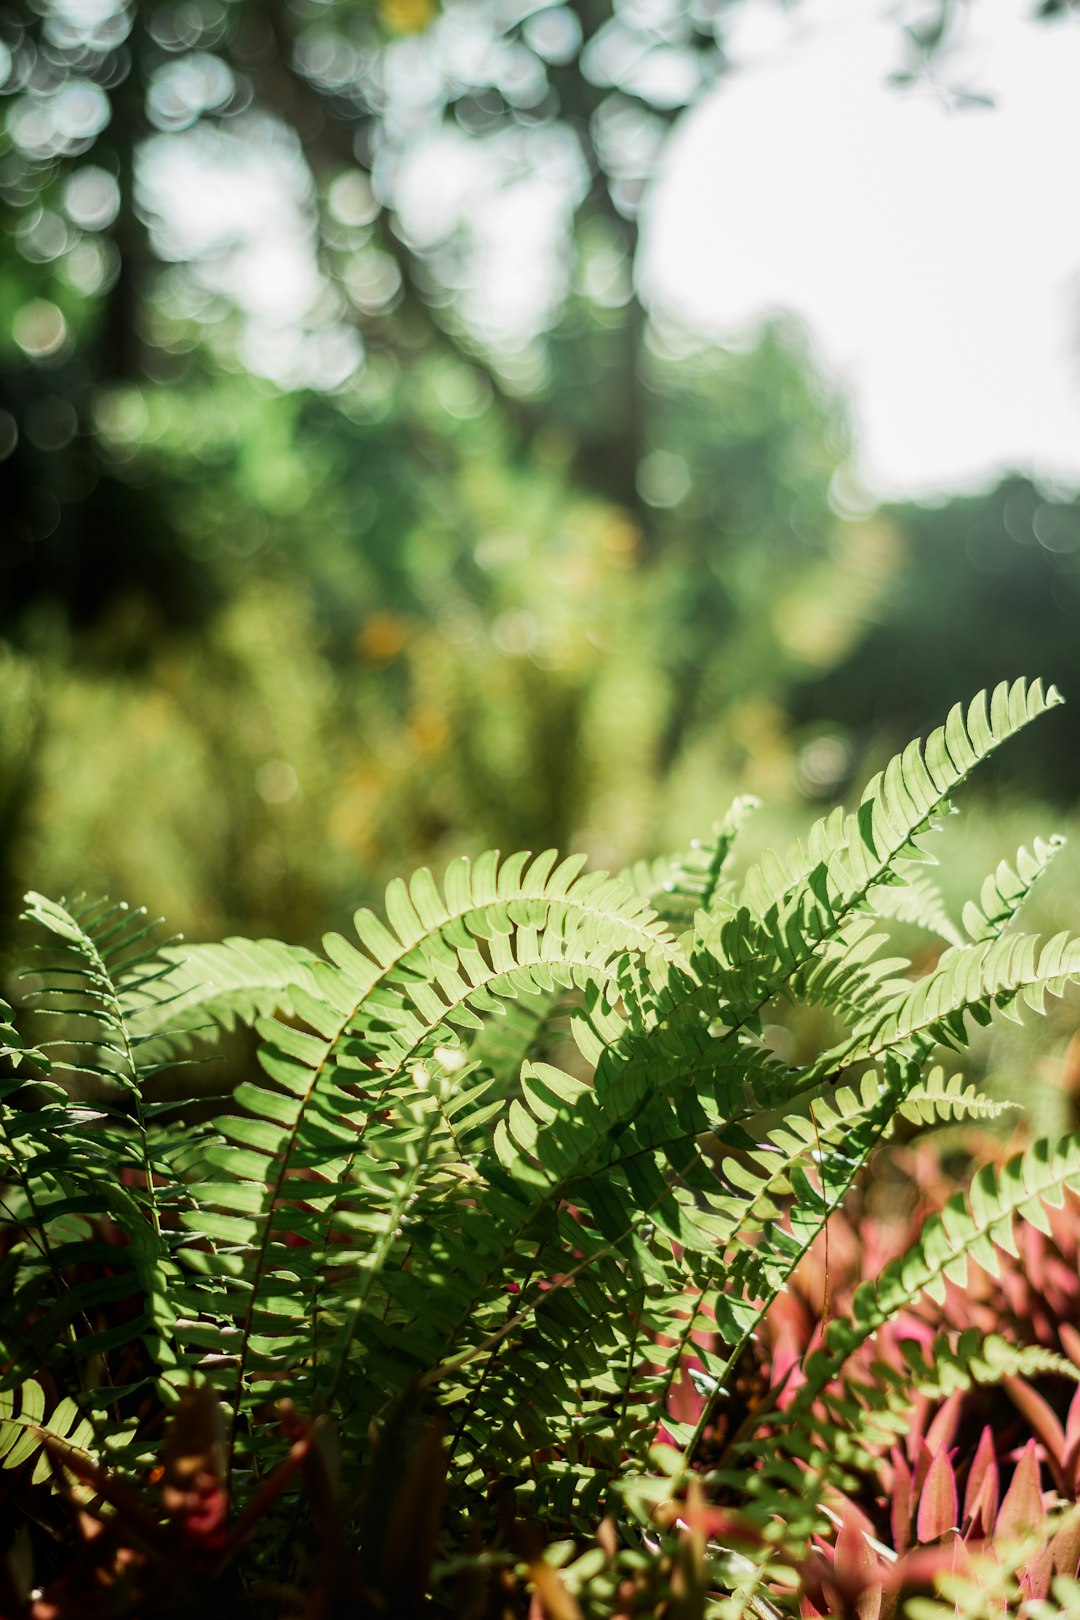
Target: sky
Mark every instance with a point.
(932, 251)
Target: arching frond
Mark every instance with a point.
(970, 1229)
(212, 987)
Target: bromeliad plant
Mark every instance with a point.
(519, 1161)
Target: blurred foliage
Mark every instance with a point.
(989, 583)
(426, 641)
(338, 535)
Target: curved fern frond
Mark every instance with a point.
(15, 1050)
(970, 1228)
(321, 1146)
(835, 1424)
(972, 981)
(941, 1097)
(845, 856)
(916, 900)
(74, 1164)
(954, 1364)
(854, 1423)
(216, 987)
(102, 958)
(1006, 889)
(792, 915)
(425, 1194)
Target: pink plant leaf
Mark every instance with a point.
(1031, 1405)
(1071, 1462)
(1034, 1579)
(921, 1461)
(942, 1431)
(1070, 1341)
(917, 1449)
(1065, 1547)
(900, 1504)
(685, 1404)
(857, 1572)
(938, 1510)
(1022, 1510)
(983, 1488)
(920, 1568)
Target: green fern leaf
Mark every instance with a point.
(213, 987)
(938, 1097)
(1005, 890)
(24, 1427)
(917, 900)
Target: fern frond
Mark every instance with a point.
(956, 1363)
(678, 886)
(98, 963)
(970, 1228)
(846, 856)
(941, 1097)
(420, 1197)
(24, 1426)
(916, 900)
(15, 1050)
(853, 1423)
(972, 981)
(1005, 890)
(317, 1158)
(216, 987)
(74, 1164)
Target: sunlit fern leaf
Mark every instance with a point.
(1005, 890)
(793, 911)
(25, 1421)
(956, 1362)
(215, 987)
(948, 1097)
(312, 1149)
(916, 900)
(971, 1228)
(861, 849)
(15, 1050)
(675, 1247)
(858, 1419)
(397, 1203)
(678, 886)
(972, 981)
(93, 971)
(106, 1161)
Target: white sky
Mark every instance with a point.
(933, 253)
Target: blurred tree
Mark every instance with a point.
(121, 118)
(105, 99)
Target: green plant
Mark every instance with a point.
(518, 1157)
